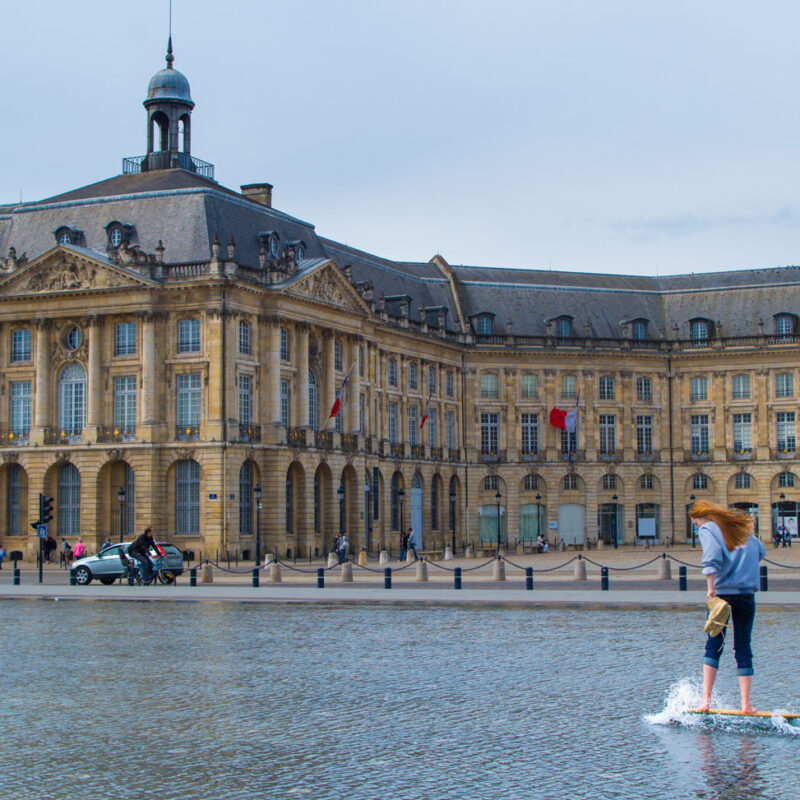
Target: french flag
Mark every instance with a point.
(337, 403)
(566, 420)
(427, 412)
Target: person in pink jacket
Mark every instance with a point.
(79, 551)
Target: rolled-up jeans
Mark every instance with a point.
(743, 612)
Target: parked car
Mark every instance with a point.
(107, 567)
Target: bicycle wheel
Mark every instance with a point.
(166, 577)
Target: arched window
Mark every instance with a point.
(245, 494)
(14, 501)
(71, 400)
(187, 498)
(312, 400)
(69, 501)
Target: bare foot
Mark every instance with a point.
(748, 709)
(704, 706)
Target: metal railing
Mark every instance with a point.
(116, 433)
(62, 435)
(12, 437)
(167, 160)
(187, 433)
(249, 433)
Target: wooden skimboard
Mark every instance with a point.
(733, 712)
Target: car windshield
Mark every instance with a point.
(110, 552)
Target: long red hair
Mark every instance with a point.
(736, 525)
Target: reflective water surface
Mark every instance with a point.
(151, 700)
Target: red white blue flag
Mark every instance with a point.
(337, 403)
(427, 412)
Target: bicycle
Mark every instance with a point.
(134, 573)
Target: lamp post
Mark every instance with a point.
(257, 496)
(121, 498)
(340, 492)
(401, 496)
(614, 527)
(784, 537)
(691, 521)
(453, 517)
(538, 513)
(366, 513)
(497, 499)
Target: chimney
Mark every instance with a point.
(259, 193)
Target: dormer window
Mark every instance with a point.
(117, 232)
(300, 252)
(639, 329)
(484, 324)
(699, 329)
(67, 236)
(785, 324)
(269, 241)
(564, 327)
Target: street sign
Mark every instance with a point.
(41, 531)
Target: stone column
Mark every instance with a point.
(353, 387)
(213, 387)
(328, 394)
(271, 362)
(95, 394)
(42, 416)
(763, 427)
(148, 415)
(718, 421)
(591, 440)
(301, 381)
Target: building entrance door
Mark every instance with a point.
(571, 528)
(416, 511)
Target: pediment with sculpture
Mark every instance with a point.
(328, 285)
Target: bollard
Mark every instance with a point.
(320, 578)
(255, 577)
(469, 551)
(604, 578)
(193, 576)
(448, 553)
(333, 560)
(387, 578)
(422, 571)
(529, 578)
(410, 557)
(682, 579)
(764, 578)
(579, 570)
(499, 570)
(206, 574)
(665, 569)
(275, 572)
(16, 577)
(347, 572)
(362, 558)
(383, 558)
(457, 578)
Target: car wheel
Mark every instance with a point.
(166, 577)
(83, 576)
(107, 580)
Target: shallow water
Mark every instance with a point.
(124, 700)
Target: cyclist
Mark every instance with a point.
(140, 550)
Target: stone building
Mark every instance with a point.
(172, 348)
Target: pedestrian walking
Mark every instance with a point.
(403, 545)
(412, 545)
(79, 551)
(2, 555)
(106, 544)
(343, 545)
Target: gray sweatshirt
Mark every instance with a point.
(736, 572)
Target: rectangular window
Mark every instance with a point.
(188, 413)
(741, 481)
(244, 338)
(431, 380)
(361, 404)
(784, 422)
(530, 434)
(13, 492)
(741, 387)
(450, 430)
(698, 389)
(564, 328)
(391, 372)
(245, 383)
(448, 383)
(529, 387)
(569, 442)
(412, 375)
(489, 386)
(569, 387)
(392, 419)
(20, 416)
(608, 434)
(360, 362)
(698, 431)
(413, 425)
(570, 483)
(489, 430)
(699, 329)
(125, 339)
(644, 435)
(606, 387)
(284, 344)
(189, 336)
(644, 390)
(285, 404)
(432, 429)
(337, 356)
(784, 384)
(125, 402)
(700, 482)
(21, 344)
(742, 433)
(187, 498)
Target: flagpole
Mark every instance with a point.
(335, 395)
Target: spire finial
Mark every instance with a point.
(170, 56)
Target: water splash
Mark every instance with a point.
(687, 693)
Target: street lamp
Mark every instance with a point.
(614, 498)
(340, 492)
(784, 537)
(538, 514)
(121, 498)
(257, 495)
(497, 498)
(401, 496)
(366, 513)
(453, 517)
(691, 503)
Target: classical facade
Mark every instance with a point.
(171, 350)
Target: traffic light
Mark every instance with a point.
(45, 509)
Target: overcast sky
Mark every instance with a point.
(622, 136)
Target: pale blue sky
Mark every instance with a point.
(621, 136)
